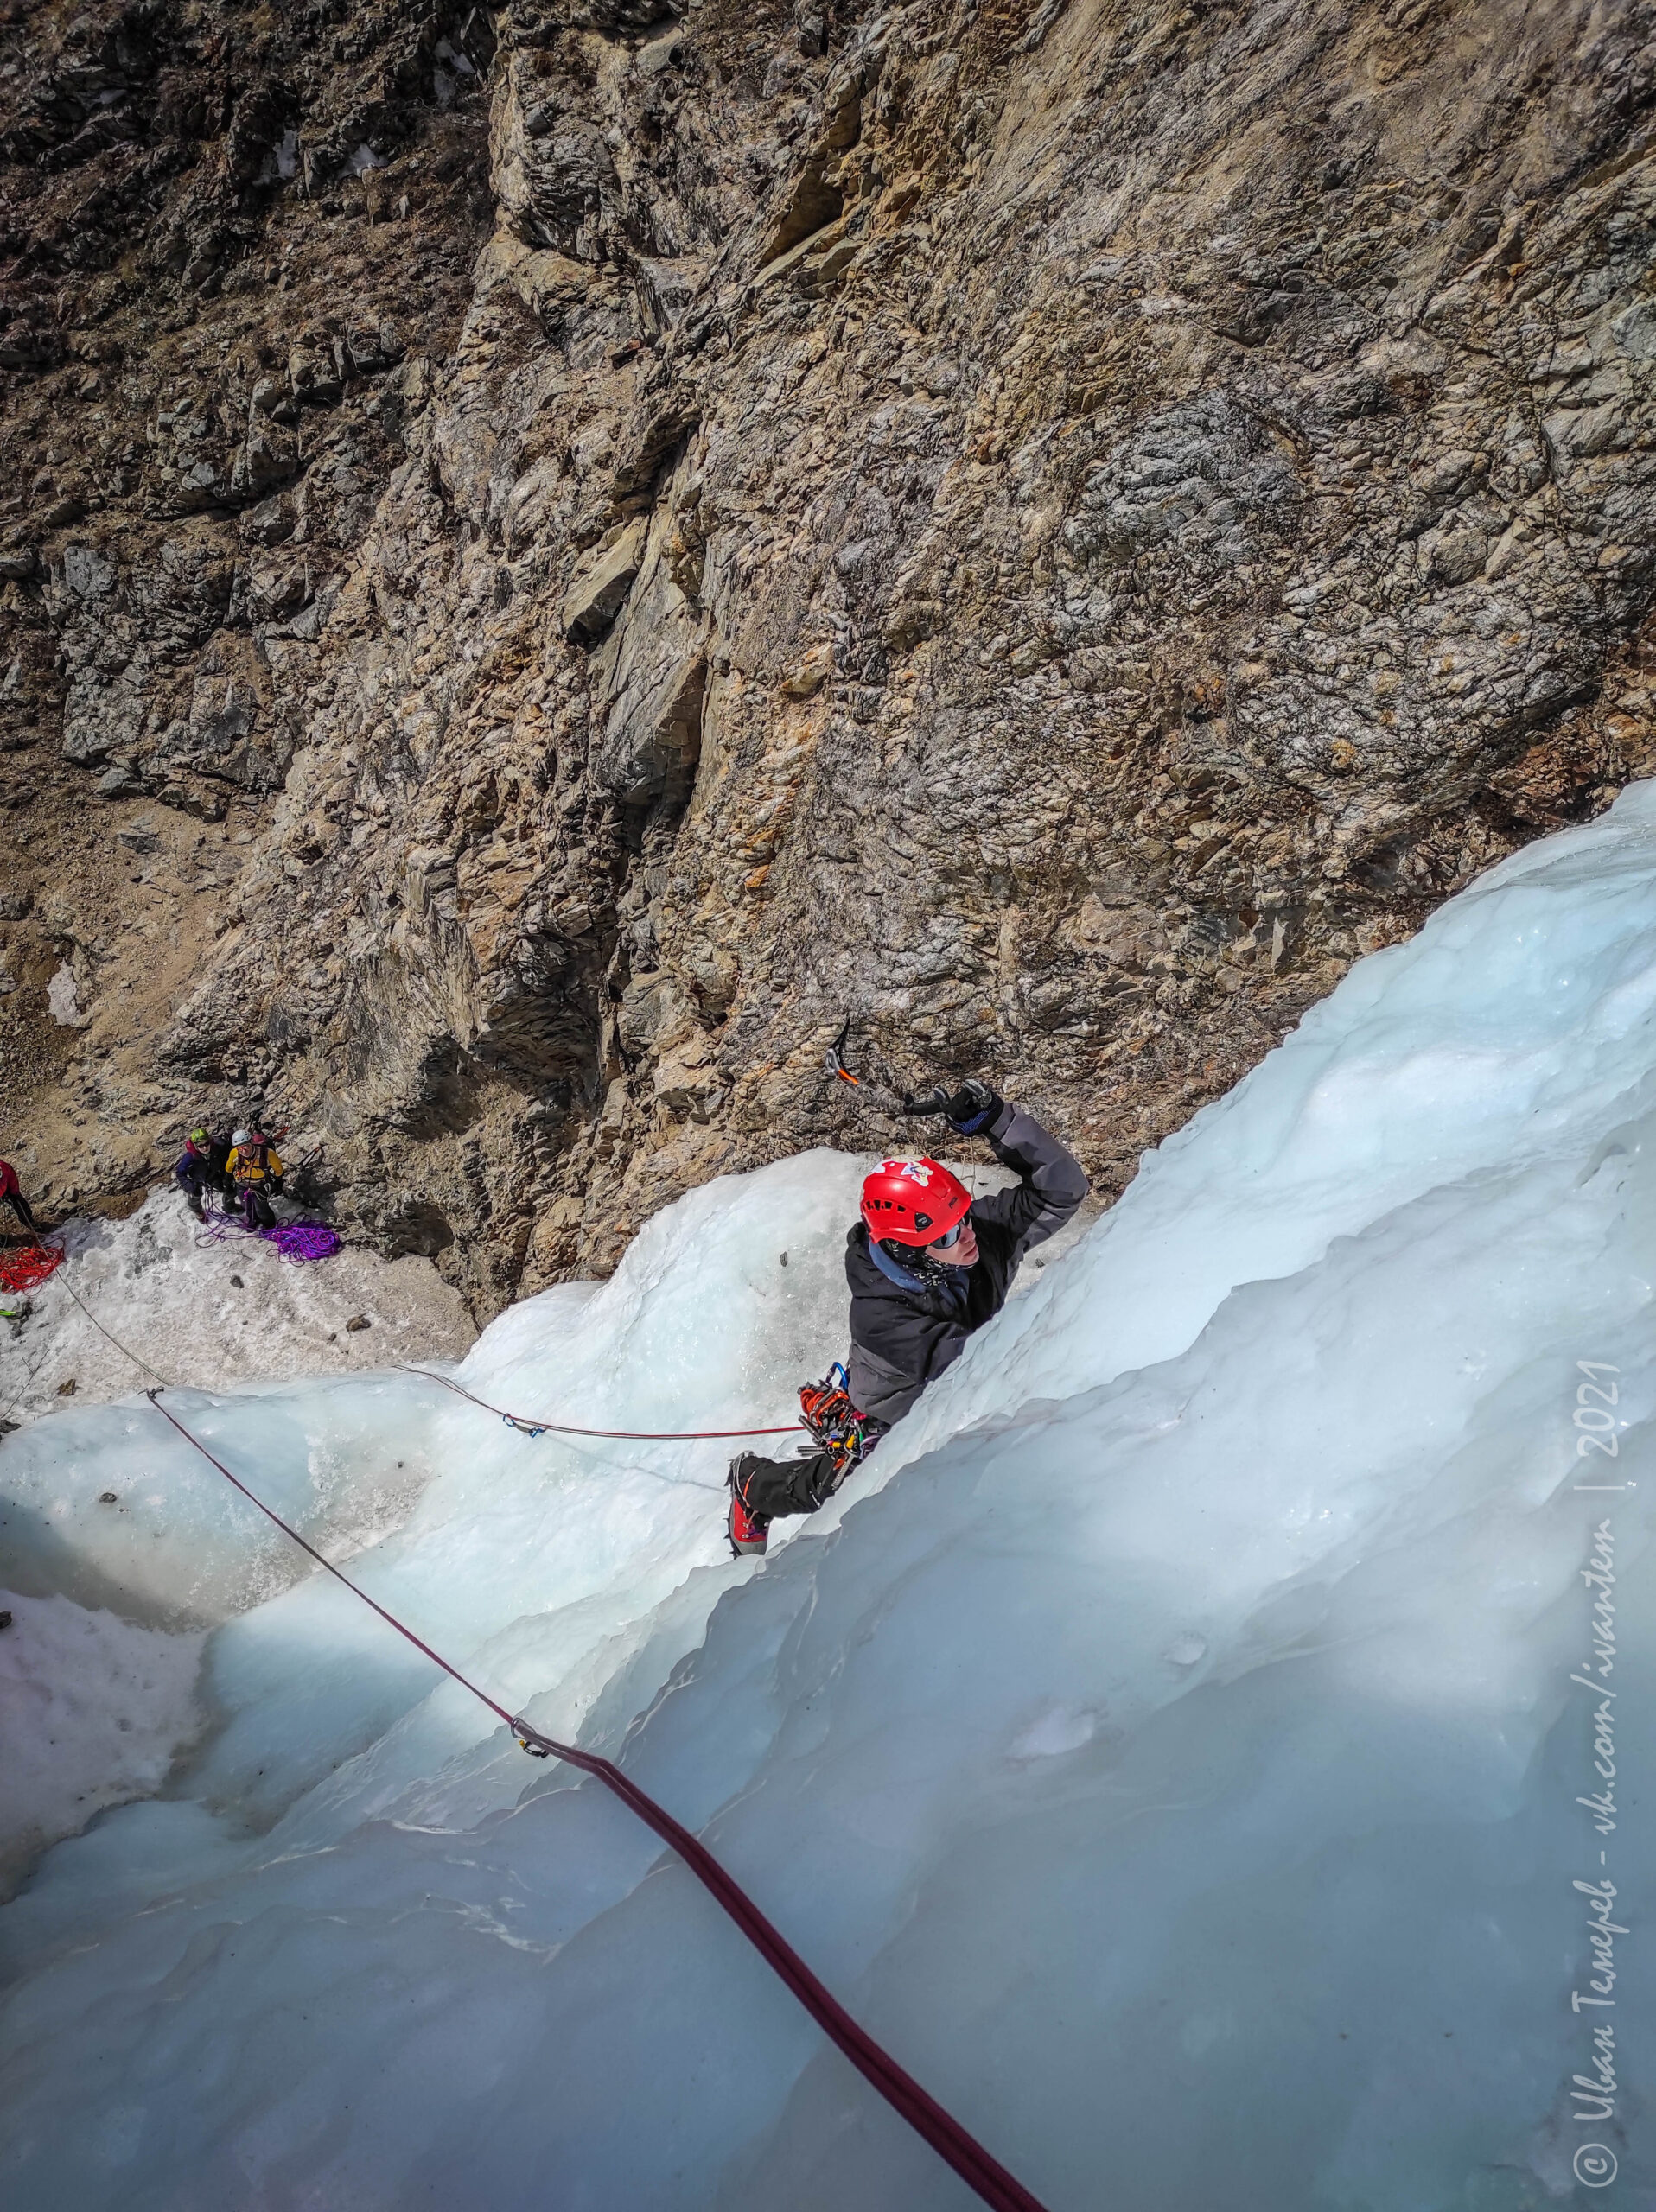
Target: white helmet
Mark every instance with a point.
(241, 1137)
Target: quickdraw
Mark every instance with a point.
(827, 1410)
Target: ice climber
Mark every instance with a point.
(258, 1175)
(927, 1265)
(219, 1147)
(196, 1172)
(11, 1191)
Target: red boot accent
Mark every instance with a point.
(748, 1532)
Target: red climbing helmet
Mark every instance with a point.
(914, 1201)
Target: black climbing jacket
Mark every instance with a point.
(903, 1338)
(196, 1172)
(905, 1329)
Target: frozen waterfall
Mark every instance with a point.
(1183, 1742)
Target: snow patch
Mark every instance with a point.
(61, 997)
(165, 1290)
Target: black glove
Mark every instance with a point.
(275, 1186)
(969, 1109)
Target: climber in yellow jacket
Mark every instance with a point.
(257, 1172)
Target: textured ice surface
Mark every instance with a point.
(91, 1710)
(1166, 1743)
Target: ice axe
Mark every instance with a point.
(937, 1100)
(833, 1061)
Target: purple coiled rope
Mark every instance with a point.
(302, 1241)
(298, 1241)
(217, 1227)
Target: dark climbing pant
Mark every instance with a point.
(774, 1489)
(193, 1177)
(256, 1208)
(23, 1210)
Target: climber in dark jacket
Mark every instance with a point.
(194, 1171)
(927, 1266)
(218, 1149)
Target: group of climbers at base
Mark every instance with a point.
(927, 1266)
(244, 1171)
(242, 1168)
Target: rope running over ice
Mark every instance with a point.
(628, 1435)
(297, 1241)
(125, 1349)
(983, 2174)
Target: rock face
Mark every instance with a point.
(600, 545)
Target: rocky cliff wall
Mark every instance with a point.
(553, 556)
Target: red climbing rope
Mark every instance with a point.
(28, 1269)
(981, 2173)
(628, 1435)
(356, 1589)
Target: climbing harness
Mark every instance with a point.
(827, 1410)
(526, 1427)
(251, 1160)
(983, 2174)
(28, 1269)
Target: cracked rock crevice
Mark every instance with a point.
(547, 558)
